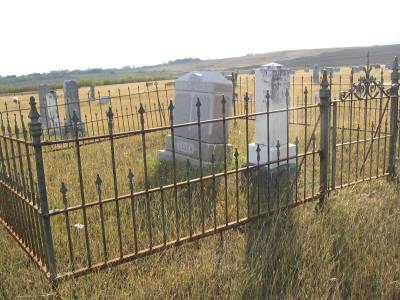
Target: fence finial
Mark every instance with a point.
(236, 154)
(198, 105)
(74, 118)
(110, 113)
(130, 178)
(324, 91)
(63, 191)
(246, 97)
(35, 126)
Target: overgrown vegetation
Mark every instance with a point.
(350, 249)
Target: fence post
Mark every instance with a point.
(394, 99)
(324, 95)
(35, 130)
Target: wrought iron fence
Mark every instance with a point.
(105, 199)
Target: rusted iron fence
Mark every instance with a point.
(104, 199)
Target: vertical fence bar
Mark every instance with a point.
(324, 94)
(198, 105)
(171, 121)
(394, 98)
(63, 191)
(246, 100)
(98, 183)
(75, 120)
(223, 102)
(146, 178)
(133, 209)
(333, 147)
(35, 129)
(110, 117)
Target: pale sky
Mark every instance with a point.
(44, 35)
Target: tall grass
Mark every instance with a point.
(349, 249)
(294, 254)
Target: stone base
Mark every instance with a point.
(271, 188)
(69, 132)
(273, 154)
(189, 149)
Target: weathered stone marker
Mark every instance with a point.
(316, 74)
(273, 79)
(43, 90)
(206, 89)
(105, 99)
(72, 105)
(92, 92)
(52, 119)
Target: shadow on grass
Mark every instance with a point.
(271, 244)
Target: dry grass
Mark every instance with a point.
(348, 250)
(297, 254)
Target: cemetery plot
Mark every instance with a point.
(102, 196)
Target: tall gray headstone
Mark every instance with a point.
(316, 74)
(92, 92)
(274, 79)
(72, 104)
(208, 87)
(43, 90)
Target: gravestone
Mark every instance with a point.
(43, 90)
(274, 79)
(316, 74)
(72, 104)
(316, 98)
(208, 87)
(52, 120)
(105, 99)
(92, 92)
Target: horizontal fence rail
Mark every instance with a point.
(78, 203)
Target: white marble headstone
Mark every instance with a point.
(52, 113)
(274, 79)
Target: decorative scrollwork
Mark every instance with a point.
(366, 88)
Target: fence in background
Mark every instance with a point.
(105, 199)
(154, 97)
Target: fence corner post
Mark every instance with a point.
(394, 104)
(324, 95)
(35, 130)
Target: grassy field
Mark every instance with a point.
(350, 249)
(294, 254)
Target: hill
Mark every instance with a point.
(295, 59)
(291, 58)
